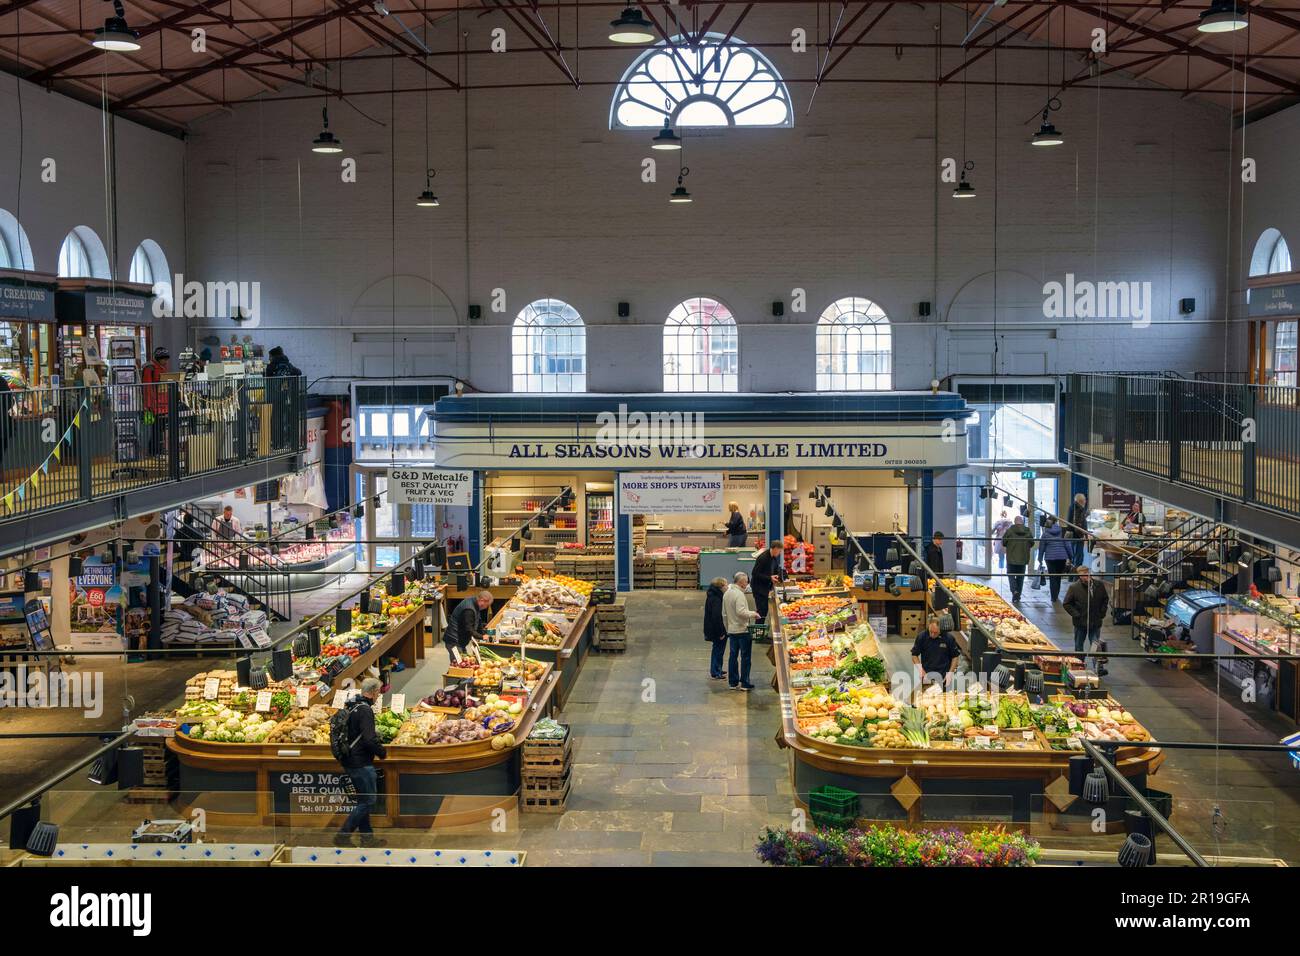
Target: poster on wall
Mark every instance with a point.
(430, 486)
(1117, 499)
(669, 492)
(97, 608)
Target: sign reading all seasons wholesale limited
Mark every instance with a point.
(722, 447)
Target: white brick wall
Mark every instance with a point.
(149, 194)
(842, 204)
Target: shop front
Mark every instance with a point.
(96, 318)
(663, 470)
(27, 329)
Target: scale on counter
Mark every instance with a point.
(163, 831)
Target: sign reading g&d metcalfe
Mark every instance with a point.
(669, 492)
(430, 486)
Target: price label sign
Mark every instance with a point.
(397, 703)
(263, 703)
(210, 688)
(1028, 735)
(340, 699)
(304, 696)
(379, 702)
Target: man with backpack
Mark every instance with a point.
(355, 745)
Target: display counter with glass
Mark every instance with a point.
(1247, 627)
(849, 724)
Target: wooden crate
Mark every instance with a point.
(546, 757)
(543, 802)
(546, 785)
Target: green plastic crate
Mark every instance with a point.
(833, 800)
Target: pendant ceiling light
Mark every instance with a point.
(631, 27)
(427, 198)
(326, 142)
(964, 189)
(115, 35)
(680, 194)
(1222, 17)
(666, 138)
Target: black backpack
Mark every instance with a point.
(340, 746)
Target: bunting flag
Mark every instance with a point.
(9, 501)
(34, 479)
(45, 465)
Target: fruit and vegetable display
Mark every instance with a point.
(548, 729)
(491, 670)
(558, 591)
(814, 586)
(227, 726)
(387, 724)
(821, 610)
(1012, 629)
(310, 726)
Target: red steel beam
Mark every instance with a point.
(986, 50)
(510, 10)
(845, 52)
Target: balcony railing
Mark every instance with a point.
(68, 446)
(1231, 439)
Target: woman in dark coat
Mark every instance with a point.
(714, 629)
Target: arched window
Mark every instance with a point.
(716, 83)
(549, 348)
(1270, 257)
(854, 350)
(149, 267)
(700, 348)
(82, 256)
(1271, 254)
(15, 250)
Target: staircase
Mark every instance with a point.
(1196, 555)
(243, 569)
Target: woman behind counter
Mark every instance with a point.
(736, 530)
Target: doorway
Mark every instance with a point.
(985, 498)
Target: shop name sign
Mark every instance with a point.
(27, 302)
(700, 451)
(430, 486)
(670, 492)
(1274, 300)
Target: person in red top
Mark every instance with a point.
(155, 398)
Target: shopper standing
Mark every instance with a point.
(466, 623)
(767, 570)
(1086, 602)
(736, 529)
(934, 553)
(1078, 527)
(1018, 544)
(1135, 520)
(155, 399)
(1055, 550)
(363, 746)
(999, 529)
(737, 617)
(715, 627)
(284, 410)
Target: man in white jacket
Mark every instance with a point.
(736, 617)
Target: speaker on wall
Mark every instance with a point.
(1186, 306)
(778, 308)
(624, 309)
(923, 309)
(475, 313)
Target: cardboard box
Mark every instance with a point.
(909, 622)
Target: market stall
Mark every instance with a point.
(1247, 627)
(846, 728)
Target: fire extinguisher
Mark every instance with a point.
(959, 544)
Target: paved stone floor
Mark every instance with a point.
(671, 768)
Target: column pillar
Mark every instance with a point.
(775, 505)
(622, 539)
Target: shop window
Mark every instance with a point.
(149, 266)
(82, 256)
(549, 348)
(15, 250)
(1011, 423)
(141, 270)
(715, 82)
(854, 347)
(1284, 354)
(701, 353)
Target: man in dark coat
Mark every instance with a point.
(767, 570)
(365, 746)
(466, 623)
(715, 630)
(1086, 602)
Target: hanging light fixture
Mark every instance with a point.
(427, 198)
(631, 27)
(326, 142)
(680, 194)
(1222, 17)
(115, 35)
(1048, 135)
(964, 189)
(666, 138)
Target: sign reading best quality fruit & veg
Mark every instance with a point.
(430, 486)
(669, 492)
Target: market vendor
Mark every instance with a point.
(736, 529)
(935, 654)
(466, 623)
(1134, 520)
(767, 570)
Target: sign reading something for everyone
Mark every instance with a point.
(430, 486)
(669, 492)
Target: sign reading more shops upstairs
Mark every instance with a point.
(430, 486)
(1274, 300)
(669, 492)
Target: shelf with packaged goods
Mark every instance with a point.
(1024, 766)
